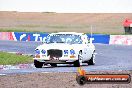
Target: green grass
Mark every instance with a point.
(15, 30)
(13, 59)
(18, 30)
(58, 28)
(12, 30)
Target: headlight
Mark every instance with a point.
(37, 51)
(72, 52)
(65, 51)
(43, 51)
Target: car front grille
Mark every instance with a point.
(54, 53)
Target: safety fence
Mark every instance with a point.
(98, 38)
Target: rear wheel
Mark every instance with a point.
(38, 64)
(53, 65)
(92, 60)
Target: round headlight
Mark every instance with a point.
(65, 51)
(72, 51)
(43, 51)
(37, 51)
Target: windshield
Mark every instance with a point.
(64, 38)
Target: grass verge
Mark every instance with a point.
(19, 30)
(53, 31)
(13, 59)
(15, 30)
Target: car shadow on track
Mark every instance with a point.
(63, 65)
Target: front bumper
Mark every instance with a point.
(56, 61)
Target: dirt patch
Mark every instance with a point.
(54, 80)
(55, 22)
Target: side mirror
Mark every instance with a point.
(43, 42)
(88, 41)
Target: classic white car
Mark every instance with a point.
(65, 48)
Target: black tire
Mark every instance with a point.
(76, 63)
(53, 65)
(38, 64)
(81, 80)
(91, 61)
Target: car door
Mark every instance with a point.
(87, 51)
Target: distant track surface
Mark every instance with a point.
(109, 57)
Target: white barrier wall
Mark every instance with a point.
(121, 39)
(5, 36)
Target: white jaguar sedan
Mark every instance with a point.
(65, 48)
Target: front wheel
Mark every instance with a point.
(38, 64)
(53, 65)
(92, 60)
(78, 62)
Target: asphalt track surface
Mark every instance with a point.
(108, 58)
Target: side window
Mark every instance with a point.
(85, 39)
(88, 39)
